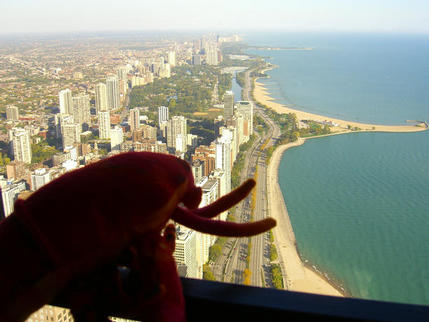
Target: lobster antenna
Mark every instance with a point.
(227, 201)
(187, 218)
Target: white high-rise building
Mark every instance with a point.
(12, 113)
(123, 79)
(112, 86)
(204, 241)
(134, 121)
(180, 145)
(172, 58)
(228, 105)
(116, 138)
(162, 114)
(39, 178)
(81, 109)
(176, 125)
(232, 134)
(185, 252)
(101, 97)
(66, 102)
(104, 124)
(212, 55)
(9, 195)
(21, 145)
(239, 124)
(223, 159)
(220, 176)
(165, 71)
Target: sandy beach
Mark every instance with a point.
(298, 277)
(261, 95)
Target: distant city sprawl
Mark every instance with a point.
(71, 102)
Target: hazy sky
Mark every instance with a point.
(215, 15)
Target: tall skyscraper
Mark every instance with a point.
(12, 113)
(100, 97)
(219, 175)
(232, 135)
(71, 135)
(134, 119)
(228, 105)
(81, 109)
(176, 126)
(223, 159)
(112, 85)
(123, 79)
(212, 55)
(21, 145)
(66, 102)
(180, 144)
(162, 114)
(60, 120)
(172, 58)
(104, 124)
(116, 138)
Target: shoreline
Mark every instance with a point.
(262, 96)
(297, 275)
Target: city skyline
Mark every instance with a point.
(24, 16)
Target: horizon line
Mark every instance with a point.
(208, 30)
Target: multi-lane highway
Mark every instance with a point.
(230, 266)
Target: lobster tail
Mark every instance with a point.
(221, 228)
(227, 201)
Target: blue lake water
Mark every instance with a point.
(236, 89)
(369, 78)
(359, 203)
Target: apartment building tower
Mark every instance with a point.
(112, 87)
(101, 97)
(134, 121)
(228, 105)
(162, 114)
(21, 145)
(66, 102)
(185, 252)
(176, 126)
(70, 135)
(116, 138)
(81, 109)
(104, 124)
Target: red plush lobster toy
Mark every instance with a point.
(99, 238)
